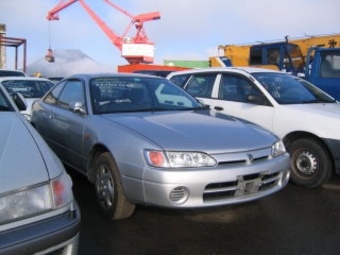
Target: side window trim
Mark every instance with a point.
(73, 94)
(238, 88)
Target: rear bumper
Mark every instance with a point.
(59, 234)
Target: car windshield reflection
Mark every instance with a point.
(126, 94)
(28, 88)
(286, 89)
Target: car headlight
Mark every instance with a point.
(35, 200)
(176, 159)
(278, 148)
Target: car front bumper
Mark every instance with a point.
(59, 234)
(204, 187)
(334, 148)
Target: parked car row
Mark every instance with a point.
(143, 139)
(38, 214)
(303, 116)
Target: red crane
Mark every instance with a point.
(137, 49)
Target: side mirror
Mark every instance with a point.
(20, 101)
(77, 107)
(257, 99)
(206, 106)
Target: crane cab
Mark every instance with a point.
(49, 56)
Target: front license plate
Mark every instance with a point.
(248, 187)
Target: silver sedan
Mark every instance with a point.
(143, 140)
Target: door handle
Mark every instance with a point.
(218, 108)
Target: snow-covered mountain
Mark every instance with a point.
(66, 62)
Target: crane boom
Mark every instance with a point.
(137, 49)
(53, 14)
(118, 8)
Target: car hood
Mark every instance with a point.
(317, 118)
(325, 109)
(21, 161)
(196, 130)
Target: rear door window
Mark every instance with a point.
(201, 85)
(236, 88)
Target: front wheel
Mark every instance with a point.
(109, 189)
(311, 164)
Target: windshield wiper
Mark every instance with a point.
(318, 101)
(160, 109)
(198, 108)
(4, 108)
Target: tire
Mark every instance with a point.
(109, 189)
(311, 164)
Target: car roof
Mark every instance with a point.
(87, 76)
(15, 73)
(157, 72)
(25, 78)
(225, 69)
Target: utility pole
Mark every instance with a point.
(2, 47)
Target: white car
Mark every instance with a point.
(32, 88)
(306, 118)
(38, 213)
(8, 72)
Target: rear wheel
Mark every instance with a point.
(311, 164)
(109, 189)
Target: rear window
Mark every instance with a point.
(28, 88)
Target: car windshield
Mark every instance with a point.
(28, 88)
(131, 94)
(288, 89)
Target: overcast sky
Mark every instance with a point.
(187, 30)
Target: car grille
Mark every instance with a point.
(243, 186)
(242, 161)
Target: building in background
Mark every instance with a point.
(13, 42)
(187, 63)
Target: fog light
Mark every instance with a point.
(179, 195)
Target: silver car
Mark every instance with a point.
(32, 88)
(143, 140)
(38, 214)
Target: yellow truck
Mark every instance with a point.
(288, 55)
(315, 58)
